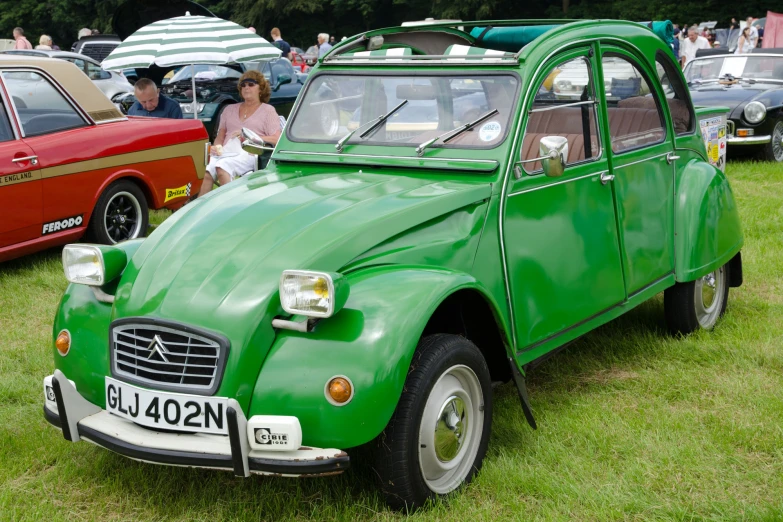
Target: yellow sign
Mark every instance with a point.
(179, 192)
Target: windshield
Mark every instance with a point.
(759, 68)
(334, 105)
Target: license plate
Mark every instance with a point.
(170, 411)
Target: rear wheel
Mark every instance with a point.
(121, 213)
(773, 151)
(437, 438)
(697, 304)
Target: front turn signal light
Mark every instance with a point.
(63, 342)
(339, 390)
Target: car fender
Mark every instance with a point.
(87, 320)
(145, 182)
(707, 225)
(371, 341)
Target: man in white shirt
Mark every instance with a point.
(690, 45)
(754, 33)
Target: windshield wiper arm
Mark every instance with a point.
(455, 132)
(373, 124)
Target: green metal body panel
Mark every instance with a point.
(551, 258)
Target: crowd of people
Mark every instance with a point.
(689, 40)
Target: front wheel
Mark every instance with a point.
(773, 151)
(121, 213)
(437, 438)
(697, 304)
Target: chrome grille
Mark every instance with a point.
(167, 357)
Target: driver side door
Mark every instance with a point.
(560, 234)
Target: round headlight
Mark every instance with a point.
(755, 112)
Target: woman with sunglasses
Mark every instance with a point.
(228, 160)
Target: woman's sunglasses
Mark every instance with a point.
(246, 83)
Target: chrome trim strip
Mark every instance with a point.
(641, 160)
(334, 154)
(592, 174)
(751, 140)
(553, 107)
(101, 122)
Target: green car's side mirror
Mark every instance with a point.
(553, 152)
(282, 80)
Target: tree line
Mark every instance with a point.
(301, 20)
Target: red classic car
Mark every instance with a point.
(72, 165)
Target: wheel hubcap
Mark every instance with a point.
(709, 297)
(451, 429)
(777, 141)
(123, 217)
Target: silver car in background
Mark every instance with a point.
(111, 83)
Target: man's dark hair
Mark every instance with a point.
(19, 30)
(143, 84)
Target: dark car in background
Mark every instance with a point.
(751, 85)
(216, 89)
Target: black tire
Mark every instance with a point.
(441, 364)
(121, 213)
(773, 151)
(685, 307)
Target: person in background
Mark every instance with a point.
(744, 44)
(693, 43)
(676, 43)
(734, 24)
(44, 43)
(252, 29)
(281, 44)
(323, 45)
(332, 41)
(95, 31)
(21, 41)
(229, 161)
(149, 102)
(84, 31)
(754, 34)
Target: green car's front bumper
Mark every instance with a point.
(79, 419)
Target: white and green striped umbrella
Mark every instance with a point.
(186, 40)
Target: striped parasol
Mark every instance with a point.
(188, 40)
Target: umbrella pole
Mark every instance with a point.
(193, 85)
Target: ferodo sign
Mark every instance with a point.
(62, 224)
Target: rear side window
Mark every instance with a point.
(41, 107)
(564, 106)
(676, 94)
(632, 108)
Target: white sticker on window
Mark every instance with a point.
(489, 131)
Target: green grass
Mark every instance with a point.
(633, 423)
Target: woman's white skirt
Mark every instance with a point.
(235, 161)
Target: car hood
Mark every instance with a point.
(216, 263)
(733, 96)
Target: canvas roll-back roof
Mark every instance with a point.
(74, 82)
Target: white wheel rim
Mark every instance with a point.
(708, 297)
(451, 429)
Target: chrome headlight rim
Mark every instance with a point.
(754, 112)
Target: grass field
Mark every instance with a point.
(633, 423)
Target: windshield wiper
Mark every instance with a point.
(373, 125)
(455, 132)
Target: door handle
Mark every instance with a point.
(670, 157)
(606, 178)
(31, 159)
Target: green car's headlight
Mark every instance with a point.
(93, 265)
(755, 112)
(313, 294)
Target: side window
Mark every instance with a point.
(633, 111)
(96, 73)
(6, 133)
(676, 95)
(564, 106)
(41, 107)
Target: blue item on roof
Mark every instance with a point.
(510, 39)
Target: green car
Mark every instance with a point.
(442, 212)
